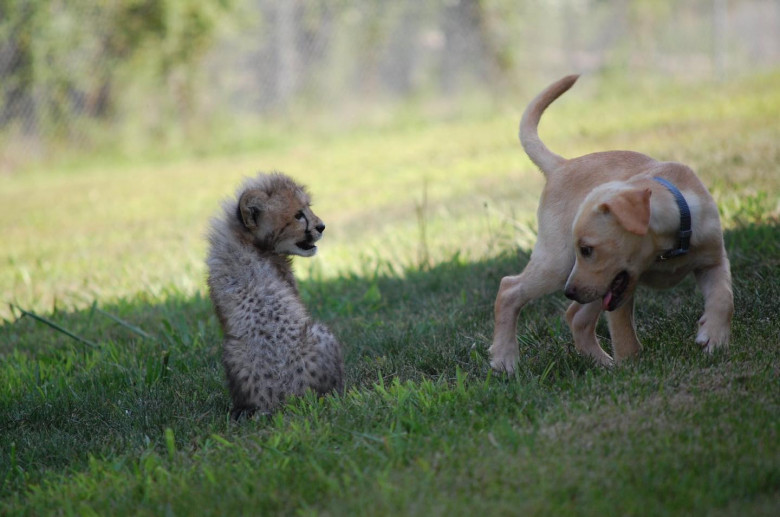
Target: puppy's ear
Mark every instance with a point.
(631, 209)
(250, 207)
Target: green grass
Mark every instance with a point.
(423, 221)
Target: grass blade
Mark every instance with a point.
(120, 321)
(56, 327)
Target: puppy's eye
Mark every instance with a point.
(586, 251)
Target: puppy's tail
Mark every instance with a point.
(545, 159)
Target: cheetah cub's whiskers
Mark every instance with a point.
(272, 348)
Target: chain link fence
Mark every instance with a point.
(84, 74)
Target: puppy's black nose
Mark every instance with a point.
(320, 227)
(570, 292)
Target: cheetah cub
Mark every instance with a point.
(272, 348)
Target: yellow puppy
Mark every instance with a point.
(607, 222)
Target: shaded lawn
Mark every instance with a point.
(141, 424)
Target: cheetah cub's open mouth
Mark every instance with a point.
(307, 245)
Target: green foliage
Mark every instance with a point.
(157, 77)
(62, 72)
(117, 405)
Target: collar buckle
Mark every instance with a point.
(670, 254)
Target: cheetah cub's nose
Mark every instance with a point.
(320, 227)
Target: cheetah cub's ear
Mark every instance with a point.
(250, 206)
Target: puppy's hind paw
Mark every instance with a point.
(712, 337)
(504, 362)
(605, 361)
(503, 367)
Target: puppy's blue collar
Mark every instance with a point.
(684, 233)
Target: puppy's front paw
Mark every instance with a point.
(504, 358)
(712, 335)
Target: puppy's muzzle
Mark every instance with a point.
(610, 300)
(571, 292)
(579, 294)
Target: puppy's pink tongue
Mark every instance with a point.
(605, 301)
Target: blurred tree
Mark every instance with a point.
(71, 53)
(16, 61)
(125, 27)
(160, 73)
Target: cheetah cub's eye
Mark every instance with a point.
(299, 215)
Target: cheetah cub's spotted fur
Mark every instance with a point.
(271, 348)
